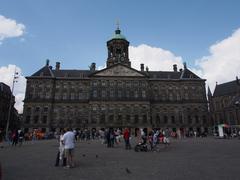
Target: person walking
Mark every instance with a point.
(15, 136)
(60, 154)
(1, 138)
(21, 136)
(126, 136)
(68, 141)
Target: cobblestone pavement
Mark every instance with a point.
(200, 158)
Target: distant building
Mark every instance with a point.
(116, 96)
(224, 103)
(5, 95)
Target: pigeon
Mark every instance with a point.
(128, 171)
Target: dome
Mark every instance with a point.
(118, 35)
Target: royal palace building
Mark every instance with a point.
(116, 96)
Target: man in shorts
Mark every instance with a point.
(68, 141)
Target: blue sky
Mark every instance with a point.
(75, 32)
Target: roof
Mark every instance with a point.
(164, 75)
(226, 88)
(118, 35)
(71, 73)
(47, 72)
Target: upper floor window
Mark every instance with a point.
(36, 119)
(103, 93)
(136, 119)
(196, 119)
(45, 109)
(119, 93)
(94, 93)
(27, 120)
(37, 109)
(136, 94)
(165, 119)
(44, 120)
(189, 120)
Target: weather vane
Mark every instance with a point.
(117, 24)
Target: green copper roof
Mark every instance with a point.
(118, 35)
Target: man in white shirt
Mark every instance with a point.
(68, 141)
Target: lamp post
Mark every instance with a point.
(237, 103)
(15, 77)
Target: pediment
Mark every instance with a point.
(119, 70)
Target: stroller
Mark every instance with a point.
(142, 146)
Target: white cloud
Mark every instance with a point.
(223, 63)
(10, 28)
(157, 59)
(6, 76)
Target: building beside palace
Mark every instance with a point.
(5, 96)
(116, 96)
(225, 103)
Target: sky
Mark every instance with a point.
(205, 34)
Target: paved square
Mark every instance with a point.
(200, 158)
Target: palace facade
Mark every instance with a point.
(116, 96)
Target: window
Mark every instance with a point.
(189, 120)
(136, 94)
(36, 119)
(37, 109)
(127, 94)
(144, 118)
(204, 120)
(119, 93)
(95, 83)
(180, 119)
(128, 118)
(173, 119)
(119, 117)
(64, 95)
(197, 119)
(111, 93)
(45, 109)
(27, 120)
(143, 94)
(102, 119)
(103, 93)
(157, 119)
(95, 93)
(165, 119)
(136, 119)
(44, 120)
(111, 118)
(72, 96)
(29, 110)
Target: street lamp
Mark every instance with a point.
(15, 77)
(237, 103)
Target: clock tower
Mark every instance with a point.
(118, 49)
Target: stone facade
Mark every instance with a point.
(225, 103)
(5, 95)
(116, 96)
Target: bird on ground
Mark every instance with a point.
(128, 171)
